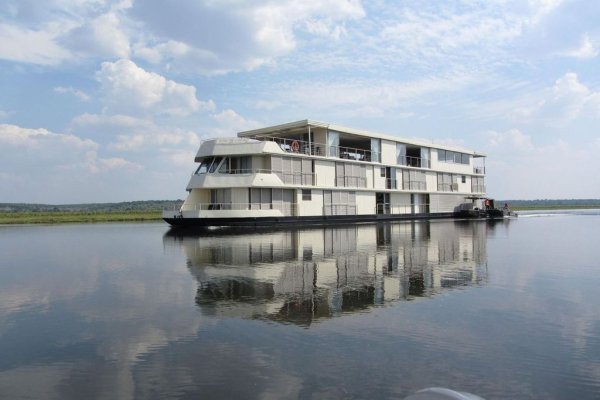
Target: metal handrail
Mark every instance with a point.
(233, 206)
(339, 209)
(238, 172)
(416, 162)
(388, 208)
(414, 185)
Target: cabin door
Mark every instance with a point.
(382, 201)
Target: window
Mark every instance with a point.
(215, 164)
(306, 194)
(382, 172)
(441, 155)
(400, 154)
(464, 179)
(350, 175)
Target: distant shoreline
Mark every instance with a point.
(68, 217)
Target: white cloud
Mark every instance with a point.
(5, 114)
(102, 36)
(157, 140)
(585, 50)
(567, 100)
(80, 94)
(126, 133)
(518, 168)
(41, 151)
(30, 46)
(128, 87)
(43, 166)
(513, 139)
(370, 98)
(230, 122)
(219, 37)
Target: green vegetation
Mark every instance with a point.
(60, 217)
(548, 204)
(22, 213)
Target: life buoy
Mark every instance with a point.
(295, 146)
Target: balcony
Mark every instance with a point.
(288, 178)
(296, 146)
(231, 209)
(416, 162)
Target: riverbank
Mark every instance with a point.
(64, 217)
(67, 217)
(556, 207)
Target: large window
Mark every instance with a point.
(208, 165)
(453, 157)
(413, 180)
(337, 202)
(447, 183)
(276, 199)
(477, 184)
(350, 175)
(293, 170)
(220, 199)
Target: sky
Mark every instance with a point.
(106, 101)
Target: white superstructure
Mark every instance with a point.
(311, 171)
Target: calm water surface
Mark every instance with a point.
(506, 310)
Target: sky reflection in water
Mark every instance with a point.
(504, 310)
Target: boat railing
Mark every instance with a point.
(478, 188)
(352, 181)
(447, 187)
(302, 178)
(321, 149)
(351, 153)
(388, 208)
(295, 145)
(238, 172)
(416, 162)
(339, 209)
(479, 170)
(414, 185)
(286, 208)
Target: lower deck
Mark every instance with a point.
(178, 220)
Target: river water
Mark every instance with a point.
(506, 310)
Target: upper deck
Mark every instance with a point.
(314, 138)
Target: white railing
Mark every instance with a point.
(289, 178)
(238, 172)
(285, 208)
(447, 187)
(339, 209)
(351, 181)
(387, 208)
(352, 153)
(321, 149)
(414, 185)
(414, 162)
(478, 188)
(479, 170)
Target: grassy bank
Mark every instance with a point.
(555, 207)
(62, 217)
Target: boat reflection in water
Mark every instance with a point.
(301, 276)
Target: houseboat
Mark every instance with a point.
(314, 172)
